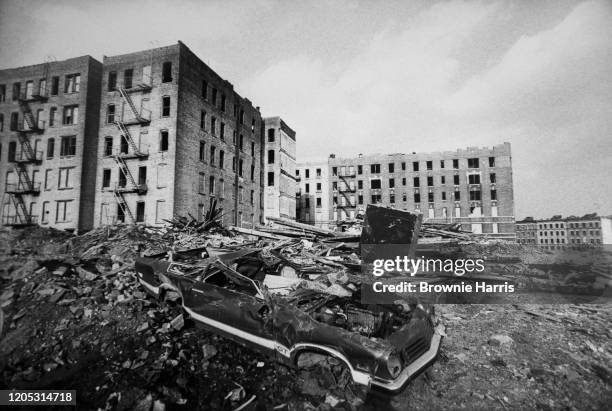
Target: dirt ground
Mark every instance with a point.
(100, 334)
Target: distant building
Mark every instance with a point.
(472, 187)
(279, 169)
(552, 231)
(527, 231)
(49, 118)
(313, 193)
(589, 229)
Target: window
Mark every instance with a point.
(403, 166)
(212, 155)
(307, 202)
(455, 164)
(360, 184)
(270, 156)
(307, 171)
(123, 145)
(474, 179)
(252, 172)
(392, 198)
(360, 199)
(475, 195)
(391, 167)
(271, 179)
(54, 85)
(165, 106)
(12, 151)
(68, 146)
(50, 147)
(214, 96)
(334, 171)
(391, 183)
(201, 183)
(203, 120)
(112, 81)
(270, 135)
(417, 197)
(430, 197)
(443, 195)
(45, 212)
(416, 182)
(140, 212)
(52, 114)
(492, 178)
(48, 181)
(221, 158)
(223, 103)
(240, 165)
(252, 148)
(167, 72)
(211, 185)
(491, 161)
(62, 211)
(163, 140)
(403, 181)
(213, 126)
(442, 179)
(473, 163)
(318, 202)
(1, 122)
(14, 121)
(318, 172)
(16, 91)
(493, 194)
(202, 151)
(376, 198)
(359, 169)
(429, 165)
(204, 89)
(2, 93)
(71, 114)
(374, 168)
(456, 179)
(415, 166)
(222, 131)
(318, 186)
(128, 76)
(375, 184)
(441, 163)
(106, 178)
(234, 164)
(65, 180)
(72, 83)
(334, 186)
(110, 114)
(241, 142)
(430, 182)
(457, 195)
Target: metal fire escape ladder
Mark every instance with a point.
(126, 97)
(123, 205)
(125, 133)
(24, 218)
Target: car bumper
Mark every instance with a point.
(412, 369)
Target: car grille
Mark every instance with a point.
(419, 345)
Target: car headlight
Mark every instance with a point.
(394, 365)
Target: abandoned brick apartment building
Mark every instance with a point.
(138, 138)
(174, 136)
(470, 186)
(49, 117)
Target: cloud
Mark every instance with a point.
(425, 87)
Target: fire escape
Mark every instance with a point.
(27, 155)
(129, 150)
(344, 188)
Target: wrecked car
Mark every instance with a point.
(382, 346)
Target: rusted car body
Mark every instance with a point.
(381, 346)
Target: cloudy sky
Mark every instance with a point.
(374, 77)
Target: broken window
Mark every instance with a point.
(492, 178)
(165, 106)
(16, 91)
(375, 183)
(68, 146)
(167, 72)
(491, 161)
(14, 123)
(376, 198)
(473, 163)
(318, 172)
(71, 115)
(163, 140)
(72, 83)
(140, 212)
(392, 198)
(110, 113)
(112, 81)
(106, 178)
(128, 76)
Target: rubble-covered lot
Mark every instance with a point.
(76, 318)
